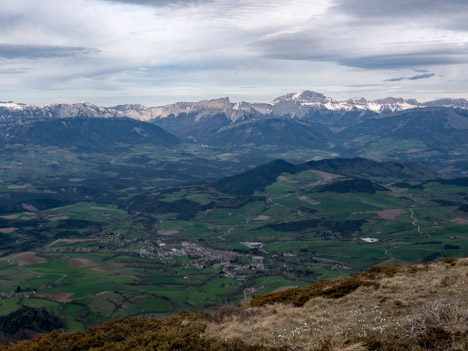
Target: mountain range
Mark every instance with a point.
(298, 105)
(433, 133)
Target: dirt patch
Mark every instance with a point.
(7, 230)
(107, 270)
(81, 262)
(459, 220)
(62, 298)
(167, 232)
(86, 262)
(56, 219)
(262, 218)
(388, 214)
(70, 241)
(30, 258)
(309, 201)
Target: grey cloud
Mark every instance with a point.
(311, 45)
(12, 51)
(416, 77)
(400, 8)
(13, 71)
(158, 3)
(404, 60)
(422, 76)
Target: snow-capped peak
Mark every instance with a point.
(305, 96)
(10, 105)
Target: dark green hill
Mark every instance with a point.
(361, 167)
(255, 179)
(352, 186)
(84, 133)
(258, 178)
(436, 127)
(27, 322)
(278, 132)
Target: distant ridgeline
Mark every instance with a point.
(84, 133)
(432, 133)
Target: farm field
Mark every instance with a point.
(91, 253)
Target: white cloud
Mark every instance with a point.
(110, 52)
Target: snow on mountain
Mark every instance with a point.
(319, 101)
(11, 106)
(295, 105)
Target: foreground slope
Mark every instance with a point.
(387, 308)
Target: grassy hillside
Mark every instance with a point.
(421, 307)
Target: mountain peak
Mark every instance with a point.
(306, 96)
(221, 103)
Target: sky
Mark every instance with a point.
(156, 52)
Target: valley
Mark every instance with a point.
(103, 239)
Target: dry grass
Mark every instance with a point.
(62, 297)
(413, 308)
(30, 258)
(388, 214)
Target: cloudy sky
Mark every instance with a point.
(155, 52)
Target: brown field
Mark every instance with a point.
(86, 262)
(70, 241)
(62, 298)
(262, 218)
(107, 270)
(459, 220)
(30, 258)
(81, 262)
(388, 214)
(56, 219)
(4, 282)
(7, 230)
